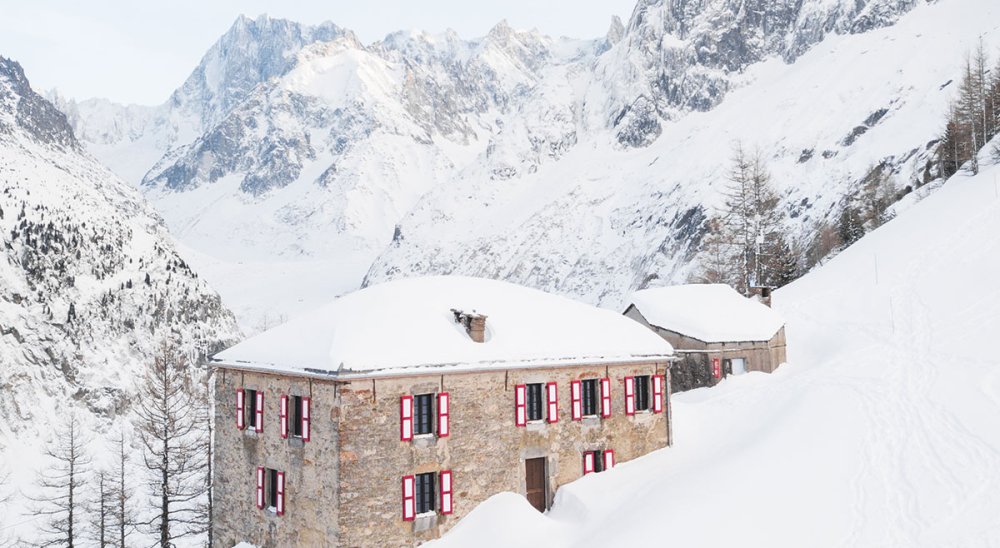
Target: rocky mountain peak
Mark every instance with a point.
(21, 106)
(250, 52)
(615, 31)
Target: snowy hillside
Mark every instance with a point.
(335, 161)
(882, 431)
(90, 282)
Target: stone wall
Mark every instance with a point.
(352, 496)
(311, 515)
(485, 450)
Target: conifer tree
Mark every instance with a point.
(751, 218)
(61, 498)
(169, 430)
(123, 516)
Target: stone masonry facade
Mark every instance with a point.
(343, 486)
(695, 369)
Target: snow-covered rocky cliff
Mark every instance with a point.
(90, 280)
(587, 167)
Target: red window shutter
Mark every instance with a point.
(260, 411)
(657, 393)
(306, 419)
(406, 418)
(446, 502)
(520, 405)
(630, 395)
(240, 406)
(283, 416)
(444, 422)
(280, 506)
(605, 397)
(609, 459)
(552, 397)
(409, 506)
(575, 394)
(588, 463)
(260, 487)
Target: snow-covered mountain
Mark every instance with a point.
(90, 282)
(586, 167)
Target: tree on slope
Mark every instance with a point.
(102, 509)
(170, 434)
(60, 500)
(750, 221)
(5, 497)
(123, 518)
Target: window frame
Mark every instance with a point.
(424, 502)
(419, 419)
(535, 403)
(590, 403)
(642, 391)
(250, 409)
(295, 417)
(271, 489)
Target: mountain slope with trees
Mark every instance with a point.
(90, 284)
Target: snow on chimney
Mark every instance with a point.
(474, 322)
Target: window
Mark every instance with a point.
(598, 461)
(425, 493)
(642, 393)
(271, 490)
(591, 397)
(250, 397)
(535, 402)
(296, 416)
(419, 494)
(424, 419)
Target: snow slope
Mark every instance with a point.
(883, 430)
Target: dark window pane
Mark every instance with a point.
(535, 402)
(591, 397)
(296, 415)
(598, 461)
(423, 420)
(272, 488)
(642, 393)
(250, 405)
(425, 493)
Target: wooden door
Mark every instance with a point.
(534, 480)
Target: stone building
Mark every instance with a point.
(715, 331)
(386, 416)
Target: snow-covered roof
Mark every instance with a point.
(708, 312)
(406, 326)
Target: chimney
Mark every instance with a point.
(475, 324)
(763, 294)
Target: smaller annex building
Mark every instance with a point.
(385, 416)
(716, 331)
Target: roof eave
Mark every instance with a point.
(443, 368)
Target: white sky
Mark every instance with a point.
(139, 51)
